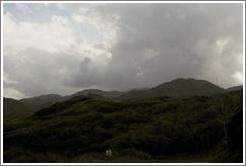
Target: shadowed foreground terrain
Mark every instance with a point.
(198, 122)
(141, 129)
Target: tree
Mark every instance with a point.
(225, 111)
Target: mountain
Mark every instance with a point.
(42, 101)
(142, 125)
(106, 94)
(235, 88)
(157, 129)
(15, 108)
(178, 88)
(28, 106)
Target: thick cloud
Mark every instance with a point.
(120, 46)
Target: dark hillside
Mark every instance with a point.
(151, 129)
(28, 106)
(106, 94)
(178, 88)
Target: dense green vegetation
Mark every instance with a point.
(151, 129)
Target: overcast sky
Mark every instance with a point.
(63, 48)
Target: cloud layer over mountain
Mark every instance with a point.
(62, 48)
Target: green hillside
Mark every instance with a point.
(176, 88)
(152, 129)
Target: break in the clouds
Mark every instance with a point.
(62, 48)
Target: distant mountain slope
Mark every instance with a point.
(235, 88)
(43, 101)
(12, 107)
(28, 106)
(178, 88)
(106, 94)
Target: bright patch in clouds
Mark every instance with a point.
(238, 76)
(52, 36)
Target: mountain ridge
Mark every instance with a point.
(178, 88)
(181, 87)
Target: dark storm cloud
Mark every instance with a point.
(153, 43)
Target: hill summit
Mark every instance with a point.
(178, 88)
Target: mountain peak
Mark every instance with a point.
(188, 79)
(181, 87)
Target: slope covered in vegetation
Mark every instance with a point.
(176, 88)
(156, 129)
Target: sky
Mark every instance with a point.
(62, 48)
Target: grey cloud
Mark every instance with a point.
(85, 75)
(155, 43)
(37, 72)
(185, 36)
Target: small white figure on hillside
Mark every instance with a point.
(108, 153)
